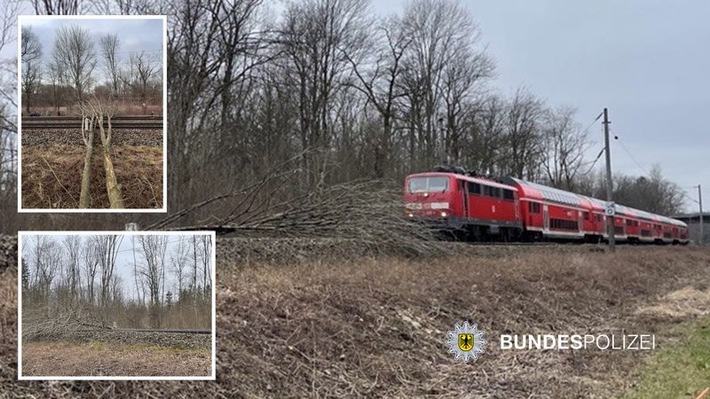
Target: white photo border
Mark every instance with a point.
(164, 208)
(21, 235)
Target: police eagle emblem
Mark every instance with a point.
(466, 342)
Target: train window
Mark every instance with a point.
(586, 216)
(507, 194)
(629, 222)
(600, 217)
(474, 188)
(428, 184)
(534, 207)
(491, 191)
(563, 224)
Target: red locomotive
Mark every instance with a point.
(510, 209)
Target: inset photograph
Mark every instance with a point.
(92, 127)
(116, 305)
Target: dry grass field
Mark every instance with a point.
(112, 359)
(375, 327)
(51, 176)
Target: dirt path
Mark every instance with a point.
(112, 359)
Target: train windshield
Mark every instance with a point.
(428, 184)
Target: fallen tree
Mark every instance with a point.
(87, 134)
(369, 212)
(98, 110)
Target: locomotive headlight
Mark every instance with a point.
(411, 215)
(444, 214)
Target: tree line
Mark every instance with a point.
(351, 95)
(170, 282)
(75, 69)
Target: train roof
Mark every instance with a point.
(478, 180)
(538, 191)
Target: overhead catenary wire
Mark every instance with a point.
(628, 152)
(646, 171)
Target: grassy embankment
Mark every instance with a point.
(680, 371)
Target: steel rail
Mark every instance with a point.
(149, 330)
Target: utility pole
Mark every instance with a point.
(609, 184)
(700, 202)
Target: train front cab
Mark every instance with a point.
(471, 208)
(433, 198)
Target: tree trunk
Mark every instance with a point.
(112, 186)
(84, 198)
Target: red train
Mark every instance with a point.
(510, 209)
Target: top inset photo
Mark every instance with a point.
(92, 130)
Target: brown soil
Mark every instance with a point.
(375, 327)
(51, 176)
(111, 359)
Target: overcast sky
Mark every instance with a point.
(134, 36)
(647, 61)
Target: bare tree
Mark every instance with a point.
(650, 193)
(179, 259)
(55, 75)
(523, 136)
(212, 47)
(140, 77)
(72, 243)
(91, 263)
(381, 85)
(484, 144)
(74, 54)
(109, 45)
(55, 7)
(206, 257)
(153, 249)
(564, 146)
(31, 51)
(106, 247)
(442, 71)
(8, 119)
(127, 7)
(319, 37)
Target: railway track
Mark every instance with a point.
(78, 118)
(75, 122)
(77, 125)
(148, 330)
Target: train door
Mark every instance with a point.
(545, 217)
(516, 205)
(463, 187)
(580, 217)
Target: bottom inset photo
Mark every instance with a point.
(116, 305)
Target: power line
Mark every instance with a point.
(593, 122)
(630, 155)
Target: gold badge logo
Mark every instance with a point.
(466, 342)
